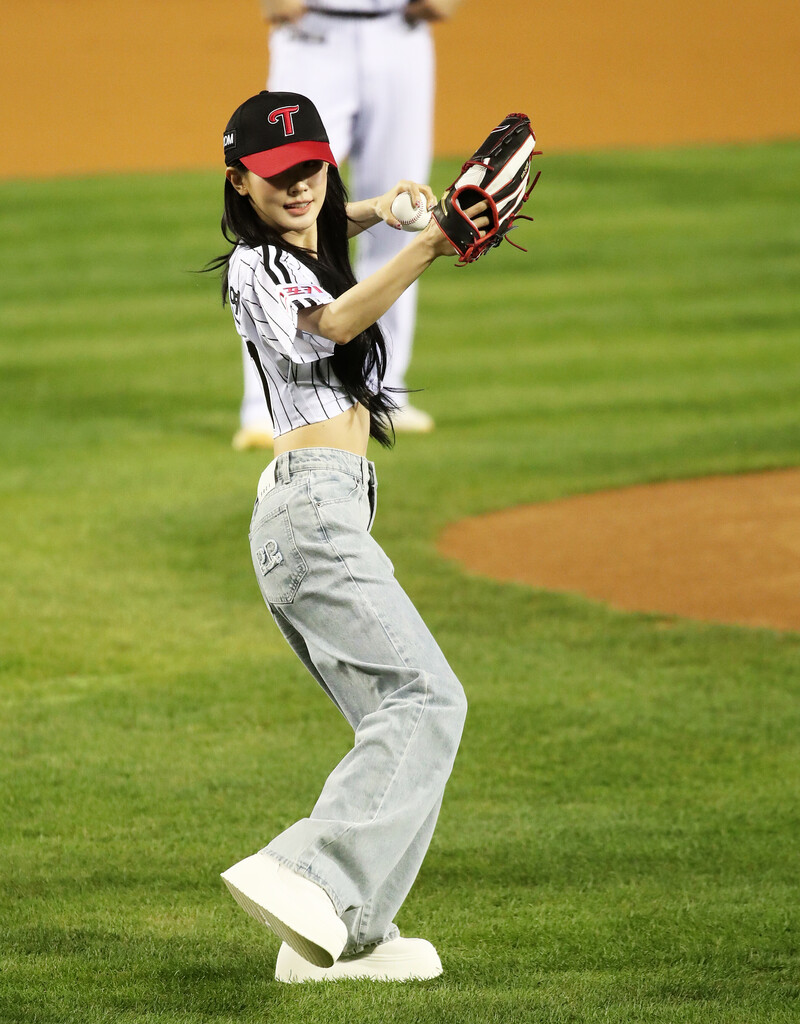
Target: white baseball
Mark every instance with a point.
(413, 218)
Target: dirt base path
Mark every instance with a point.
(723, 549)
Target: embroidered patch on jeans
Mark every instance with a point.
(268, 556)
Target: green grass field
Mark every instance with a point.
(619, 840)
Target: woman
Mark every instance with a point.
(330, 885)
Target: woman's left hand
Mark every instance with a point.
(383, 204)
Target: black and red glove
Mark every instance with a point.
(497, 173)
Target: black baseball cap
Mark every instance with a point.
(273, 131)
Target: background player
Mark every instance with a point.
(368, 65)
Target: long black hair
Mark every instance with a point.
(363, 359)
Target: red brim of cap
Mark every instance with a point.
(274, 161)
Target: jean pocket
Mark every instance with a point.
(279, 566)
(329, 486)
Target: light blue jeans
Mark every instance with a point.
(332, 592)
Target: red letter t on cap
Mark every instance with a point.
(285, 113)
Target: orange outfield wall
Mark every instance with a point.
(99, 85)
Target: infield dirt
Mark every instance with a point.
(723, 549)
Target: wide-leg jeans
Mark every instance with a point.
(333, 594)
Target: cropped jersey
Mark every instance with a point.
(266, 288)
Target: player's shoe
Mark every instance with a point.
(398, 960)
(298, 910)
(254, 435)
(410, 420)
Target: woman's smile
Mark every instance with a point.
(297, 208)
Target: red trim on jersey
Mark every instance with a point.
(274, 161)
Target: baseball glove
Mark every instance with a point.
(497, 173)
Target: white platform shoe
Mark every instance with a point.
(298, 910)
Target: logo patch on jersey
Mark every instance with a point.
(284, 114)
(289, 292)
(292, 291)
(229, 139)
(268, 557)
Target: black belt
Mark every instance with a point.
(349, 14)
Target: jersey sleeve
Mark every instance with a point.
(273, 287)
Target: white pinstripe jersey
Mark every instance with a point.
(265, 293)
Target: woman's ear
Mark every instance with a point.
(236, 178)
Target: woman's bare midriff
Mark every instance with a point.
(348, 431)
